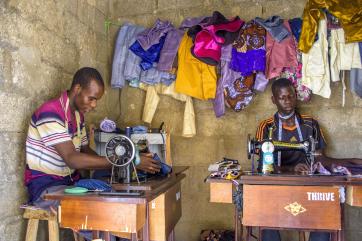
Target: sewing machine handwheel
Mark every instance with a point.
(120, 150)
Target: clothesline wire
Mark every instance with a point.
(108, 23)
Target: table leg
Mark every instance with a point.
(145, 229)
(95, 234)
(248, 233)
(301, 236)
(107, 236)
(238, 226)
(134, 237)
(171, 237)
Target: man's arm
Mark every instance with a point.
(86, 149)
(147, 164)
(329, 161)
(79, 160)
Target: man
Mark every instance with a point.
(288, 125)
(57, 144)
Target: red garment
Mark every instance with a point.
(280, 55)
(209, 40)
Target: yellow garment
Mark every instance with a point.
(194, 78)
(152, 99)
(349, 13)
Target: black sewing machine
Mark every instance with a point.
(268, 146)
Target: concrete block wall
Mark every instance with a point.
(42, 44)
(226, 136)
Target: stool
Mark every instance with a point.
(33, 216)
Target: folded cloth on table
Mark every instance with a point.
(139, 129)
(94, 184)
(225, 164)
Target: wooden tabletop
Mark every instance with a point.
(159, 186)
(292, 179)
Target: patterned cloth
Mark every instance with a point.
(248, 53)
(240, 93)
(304, 94)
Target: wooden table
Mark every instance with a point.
(159, 207)
(289, 201)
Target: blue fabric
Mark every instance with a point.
(154, 76)
(274, 235)
(139, 129)
(360, 49)
(274, 25)
(126, 65)
(149, 56)
(165, 169)
(296, 27)
(94, 184)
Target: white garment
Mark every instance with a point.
(315, 70)
(342, 56)
(152, 99)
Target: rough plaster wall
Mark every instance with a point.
(42, 44)
(226, 136)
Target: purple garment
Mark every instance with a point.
(228, 76)
(169, 50)
(172, 42)
(260, 82)
(39, 181)
(152, 36)
(248, 62)
(248, 53)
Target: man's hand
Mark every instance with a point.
(147, 164)
(301, 167)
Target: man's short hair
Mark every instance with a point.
(281, 83)
(85, 75)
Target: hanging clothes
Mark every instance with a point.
(194, 78)
(208, 41)
(343, 56)
(125, 64)
(315, 69)
(153, 35)
(348, 12)
(304, 94)
(172, 43)
(280, 54)
(248, 53)
(355, 78)
(275, 27)
(240, 94)
(227, 77)
(149, 56)
(296, 27)
(152, 100)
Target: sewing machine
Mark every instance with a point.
(121, 150)
(307, 146)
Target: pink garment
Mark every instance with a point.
(280, 55)
(207, 42)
